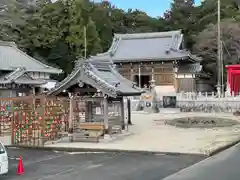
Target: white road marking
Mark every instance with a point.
(56, 174)
(13, 148)
(160, 154)
(75, 153)
(13, 158)
(44, 159)
(94, 166)
(73, 169)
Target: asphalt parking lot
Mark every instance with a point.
(50, 165)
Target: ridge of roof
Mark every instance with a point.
(148, 35)
(77, 69)
(94, 72)
(8, 43)
(67, 79)
(14, 45)
(91, 74)
(176, 36)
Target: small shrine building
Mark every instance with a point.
(97, 90)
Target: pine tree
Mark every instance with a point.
(182, 15)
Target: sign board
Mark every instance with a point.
(169, 101)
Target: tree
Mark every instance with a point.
(138, 22)
(101, 15)
(206, 45)
(207, 12)
(11, 18)
(56, 33)
(182, 15)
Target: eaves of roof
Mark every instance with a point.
(12, 53)
(20, 77)
(89, 74)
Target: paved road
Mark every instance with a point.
(223, 166)
(49, 165)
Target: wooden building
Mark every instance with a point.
(94, 85)
(21, 74)
(154, 58)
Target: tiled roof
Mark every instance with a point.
(11, 58)
(145, 47)
(19, 76)
(102, 76)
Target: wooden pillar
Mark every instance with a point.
(122, 113)
(175, 78)
(131, 72)
(33, 91)
(89, 110)
(139, 75)
(42, 127)
(70, 118)
(129, 111)
(152, 70)
(105, 115)
(176, 83)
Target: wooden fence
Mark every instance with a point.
(35, 120)
(32, 120)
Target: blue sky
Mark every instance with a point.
(152, 7)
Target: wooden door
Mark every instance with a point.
(164, 74)
(164, 79)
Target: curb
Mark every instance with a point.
(70, 149)
(144, 152)
(227, 146)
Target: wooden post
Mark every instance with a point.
(12, 123)
(131, 72)
(105, 115)
(70, 120)
(152, 64)
(89, 110)
(139, 75)
(122, 113)
(42, 126)
(129, 111)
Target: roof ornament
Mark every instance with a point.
(88, 66)
(80, 83)
(117, 84)
(79, 62)
(167, 51)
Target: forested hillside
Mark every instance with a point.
(54, 32)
